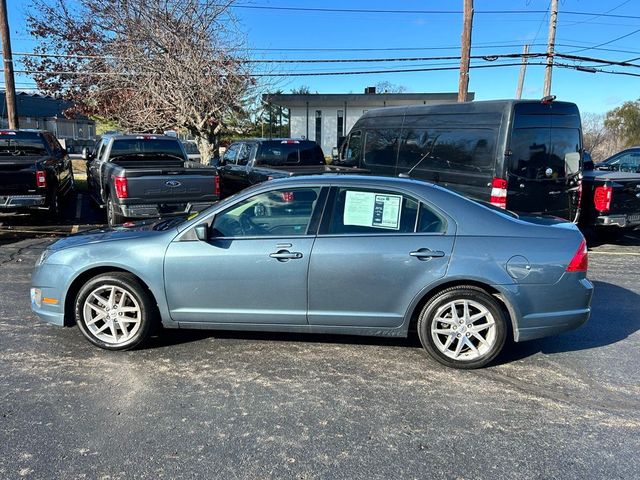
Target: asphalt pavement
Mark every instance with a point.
(260, 406)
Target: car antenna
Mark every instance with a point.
(428, 154)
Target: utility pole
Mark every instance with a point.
(523, 71)
(465, 57)
(10, 86)
(553, 21)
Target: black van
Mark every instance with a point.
(522, 155)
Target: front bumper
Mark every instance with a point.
(11, 202)
(622, 221)
(48, 287)
(158, 210)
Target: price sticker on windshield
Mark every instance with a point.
(367, 209)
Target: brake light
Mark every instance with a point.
(499, 193)
(289, 142)
(121, 187)
(41, 179)
(216, 185)
(580, 261)
(602, 198)
(287, 196)
(7, 132)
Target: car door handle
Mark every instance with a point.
(284, 255)
(425, 254)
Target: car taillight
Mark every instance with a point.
(602, 198)
(580, 261)
(287, 196)
(216, 186)
(499, 193)
(121, 187)
(41, 179)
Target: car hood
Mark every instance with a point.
(100, 235)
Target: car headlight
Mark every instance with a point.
(43, 257)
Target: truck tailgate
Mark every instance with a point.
(183, 185)
(626, 190)
(17, 176)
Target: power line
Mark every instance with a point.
(608, 42)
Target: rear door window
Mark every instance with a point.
(18, 144)
(544, 153)
(366, 211)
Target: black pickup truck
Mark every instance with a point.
(248, 162)
(146, 176)
(611, 193)
(35, 171)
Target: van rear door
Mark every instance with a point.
(543, 159)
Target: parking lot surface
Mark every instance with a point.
(246, 405)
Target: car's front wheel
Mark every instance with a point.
(462, 327)
(114, 311)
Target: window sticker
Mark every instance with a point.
(367, 209)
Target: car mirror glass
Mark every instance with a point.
(202, 232)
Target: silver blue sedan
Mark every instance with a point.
(327, 254)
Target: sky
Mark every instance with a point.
(281, 34)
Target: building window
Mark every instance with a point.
(318, 126)
(340, 124)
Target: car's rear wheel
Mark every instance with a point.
(462, 327)
(113, 217)
(114, 311)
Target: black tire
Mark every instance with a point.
(113, 217)
(478, 297)
(148, 316)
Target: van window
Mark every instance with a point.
(381, 147)
(542, 153)
(461, 149)
(352, 150)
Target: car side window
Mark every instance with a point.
(243, 154)
(99, 150)
(365, 211)
(283, 212)
(230, 156)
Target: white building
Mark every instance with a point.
(327, 117)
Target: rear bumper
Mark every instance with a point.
(12, 202)
(540, 311)
(164, 209)
(618, 220)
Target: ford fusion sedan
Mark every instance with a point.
(335, 254)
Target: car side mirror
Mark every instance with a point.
(86, 155)
(202, 232)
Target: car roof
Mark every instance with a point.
(138, 136)
(260, 140)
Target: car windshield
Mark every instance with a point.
(16, 144)
(146, 147)
(290, 152)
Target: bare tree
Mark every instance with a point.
(598, 138)
(151, 65)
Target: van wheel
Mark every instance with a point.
(113, 217)
(462, 327)
(114, 311)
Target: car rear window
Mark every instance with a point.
(282, 153)
(145, 146)
(21, 144)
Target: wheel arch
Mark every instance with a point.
(84, 277)
(430, 293)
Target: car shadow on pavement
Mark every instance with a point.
(614, 317)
